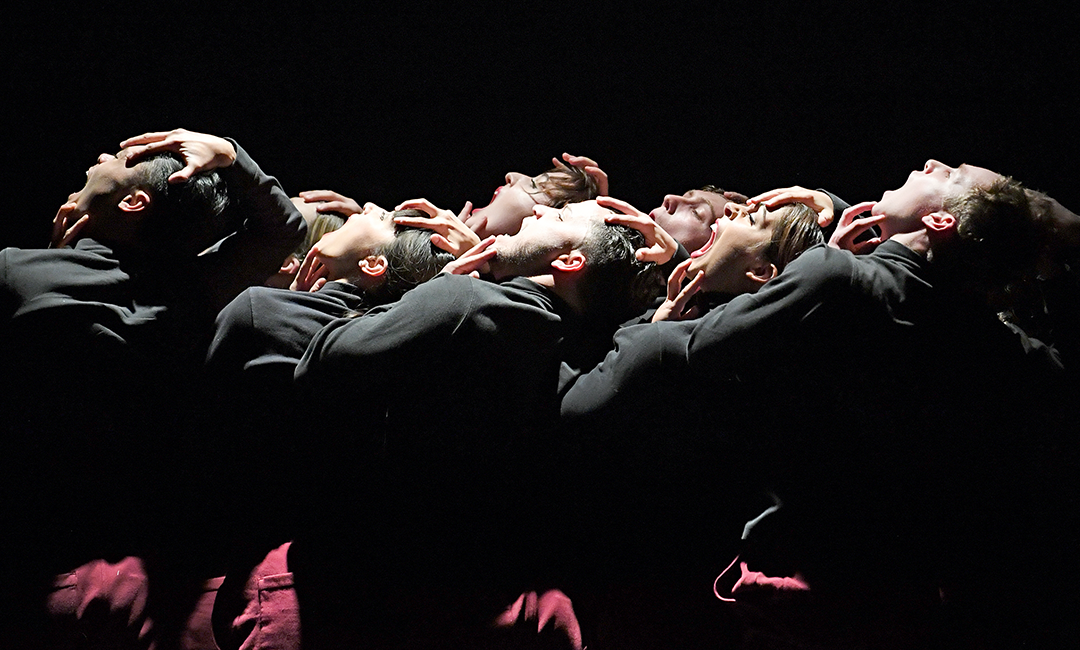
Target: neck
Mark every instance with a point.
(561, 287)
(917, 241)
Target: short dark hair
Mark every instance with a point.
(566, 184)
(1001, 234)
(793, 232)
(187, 217)
(617, 286)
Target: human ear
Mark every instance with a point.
(569, 262)
(761, 272)
(374, 266)
(135, 201)
(940, 226)
(290, 266)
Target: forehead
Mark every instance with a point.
(712, 200)
(584, 211)
(972, 176)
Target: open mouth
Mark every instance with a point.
(704, 249)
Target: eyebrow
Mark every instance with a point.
(691, 194)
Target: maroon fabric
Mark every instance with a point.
(549, 615)
(101, 604)
(270, 618)
(104, 605)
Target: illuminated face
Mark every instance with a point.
(689, 217)
(510, 204)
(107, 182)
(362, 235)
(734, 248)
(925, 192)
(541, 239)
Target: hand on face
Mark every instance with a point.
(64, 231)
(848, 229)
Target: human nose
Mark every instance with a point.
(105, 157)
(932, 165)
(540, 210)
(671, 202)
(733, 210)
(513, 177)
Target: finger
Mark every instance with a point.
(310, 196)
(482, 246)
(470, 262)
(465, 211)
(867, 246)
(775, 200)
(737, 197)
(345, 207)
(601, 179)
(621, 206)
(674, 283)
(688, 292)
(419, 204)
(579, 161)
(318, 284)
(182, 175)
(857, 209)
(635, 221)
(443, 243)
(145, 138)
(301, 282)
(60, 221)
(764, 196)
(824, 218)
(138, 152)
(73, 231)
(845, 235)
(428, 223)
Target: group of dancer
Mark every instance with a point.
(243, 420)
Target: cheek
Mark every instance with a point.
(505, 215)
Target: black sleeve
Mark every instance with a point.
(643, 357)
(389, 340)
(271, 228)
(839, 205)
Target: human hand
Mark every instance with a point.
(661, 245)
(331, 201)
(313, 273)
(848, 229)
(736, 197)
(200, 151)
(451, 233)
(474, 260)
(819, 202)
(589, 166)
(62, 233)
(678, 296)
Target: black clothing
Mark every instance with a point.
(98, 457)
(434, 456)
(859, 390)
(267, 330)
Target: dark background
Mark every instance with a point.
(389, 102)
